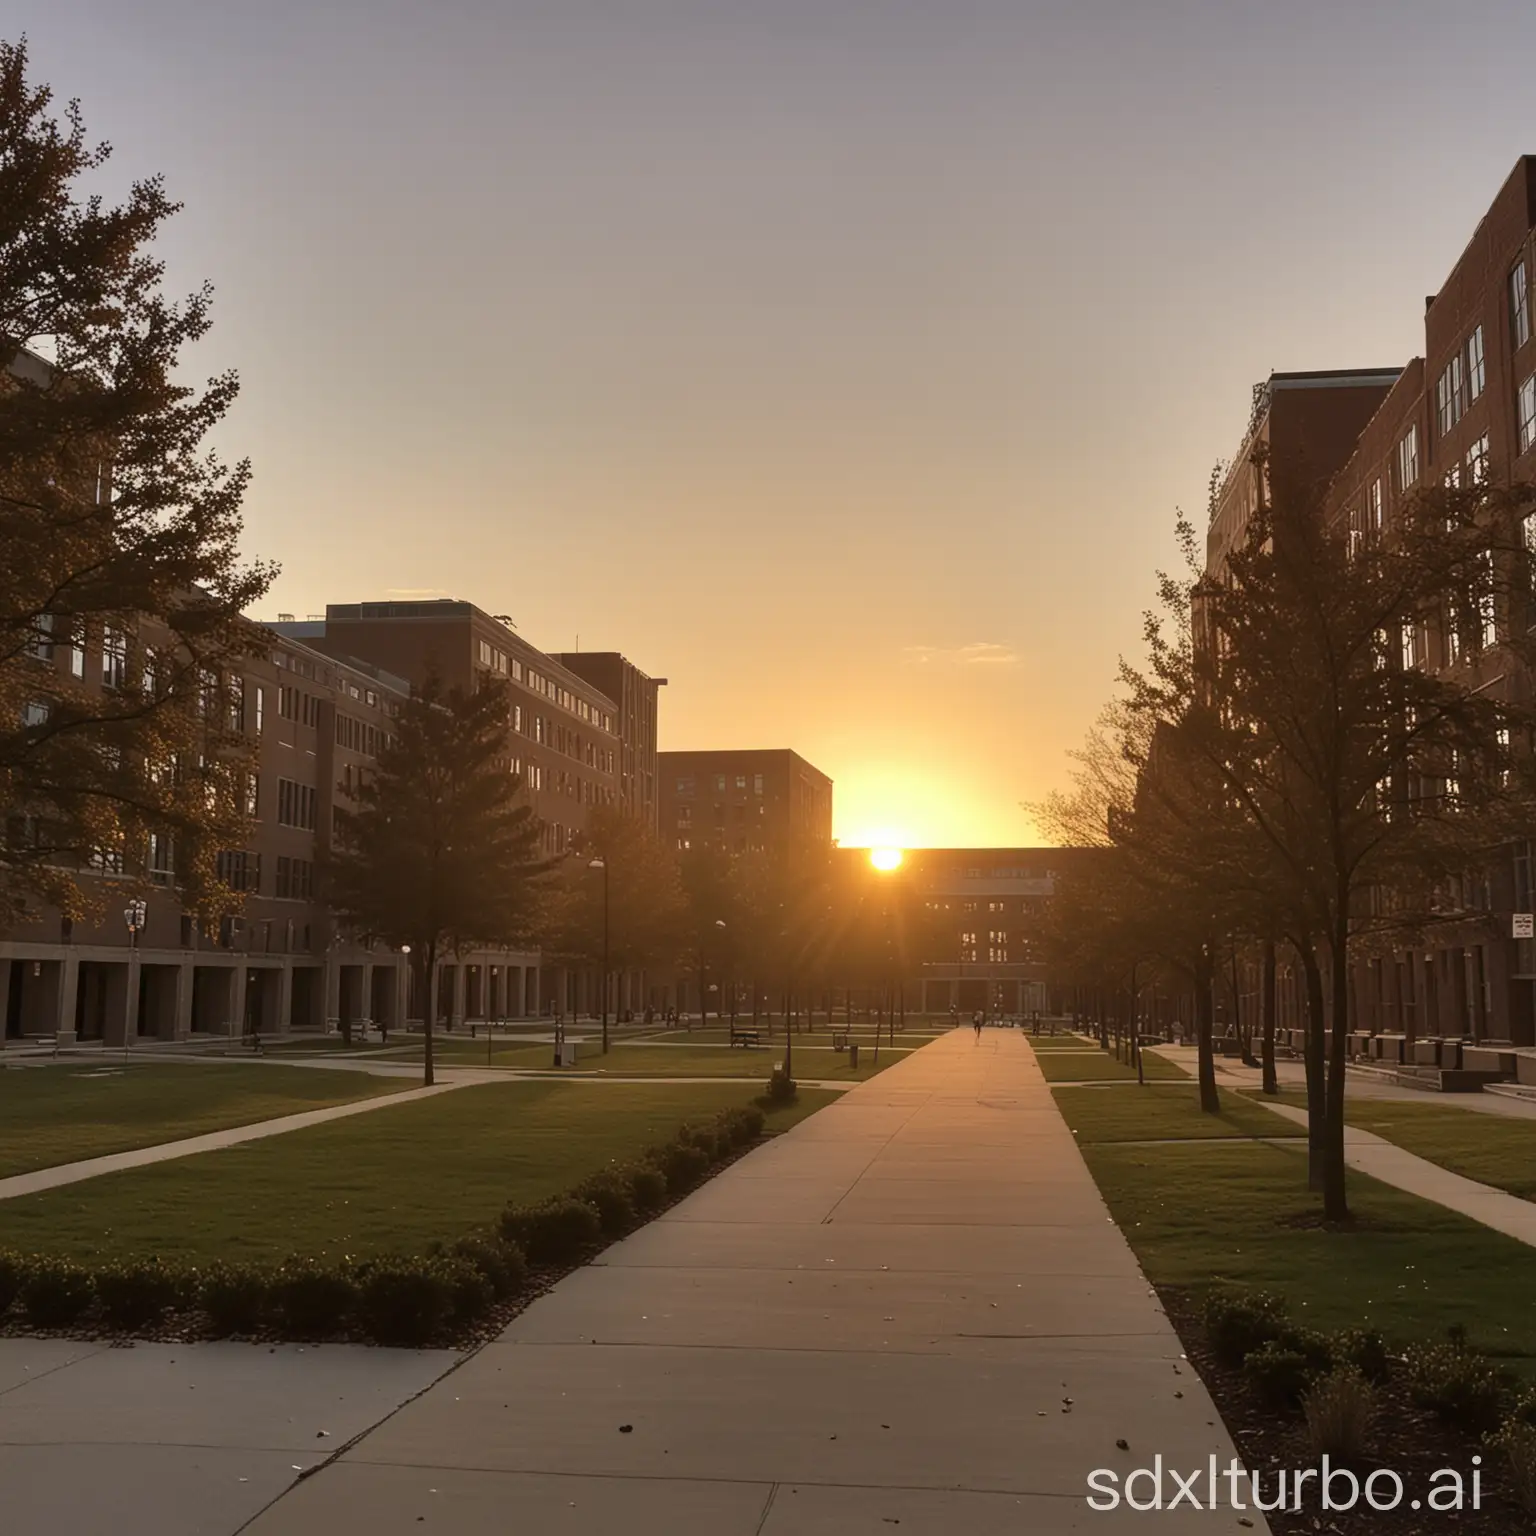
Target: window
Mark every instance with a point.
(1356, 531)
(1487, 626)
(1410, 646)
(253, 794)
(42, 638)
(1408, 459)
(295, 879)
(261, 708)
(1376, 510)
(1477, 462)
(757, 783)
(288, 702)
(114, 658)
(1451, 394)
(295, 805)
(1525, 413)
(1519, 305)
(720, 782)
(685, 788)
(1477, 370)
(34, 714)
(967, 946)
(485, 653)
(1452, 633)
(161, 858)
(235, 703)
(77, 660)
(741, 781)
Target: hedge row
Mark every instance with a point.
(407, 1299)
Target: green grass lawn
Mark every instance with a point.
(1099, 1066)
(1241, 1211)
(701, 1059)
(1167, 1112)
(1062, 1042)
(63, 1114)
(394, 1179)
(1493, 1149)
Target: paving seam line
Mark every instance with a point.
(63, 1365)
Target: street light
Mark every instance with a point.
(719, 1012)
(134, 915)
(601, 863)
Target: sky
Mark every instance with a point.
(845, 362)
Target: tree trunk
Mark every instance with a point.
(1335, 1194)
(1267, 1005)
(1141, 1076)
(1314, 1064)
(1205, 1022)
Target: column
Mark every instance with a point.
(330, 989)
(69, 990)
(5, 999)
(284, 1020)
(235, 1024)
(365, 1000)
(183, 1024)
(456, 1006)
(131, 1000)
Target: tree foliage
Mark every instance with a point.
(118, 533)
(440, 853)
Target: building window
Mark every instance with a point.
(967, 946)
(741, 781)
(757, 783)
(1477, 462)
(1408, 459)
(295, 805)
(235, 703)
(1376, 509)
(720, 782)
(161, 858)
(1519, 305)
(114, 658)
(1477, 368)
(1452, 633)
(77, 661)
(1525, 413)
(1451, 395)
(1487, 623)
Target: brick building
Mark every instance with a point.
(635, 694)
(771, 799)
(1465, 411)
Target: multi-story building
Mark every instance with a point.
(764, 799)
(635, 694)
(1305, 424)
(967, 924)
(314, 723)
(1464, 412)
(563, 732)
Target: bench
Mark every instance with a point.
(745, 1037)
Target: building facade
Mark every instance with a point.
(314, 724)
(635, 696)
(740, 801)
(1463, 413)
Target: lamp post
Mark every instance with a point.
(134, 915)
(601, 863)
(719, 1009)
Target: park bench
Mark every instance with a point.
(745, 1037)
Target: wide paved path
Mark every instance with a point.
(909, 1315)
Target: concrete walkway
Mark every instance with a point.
(912, 1310)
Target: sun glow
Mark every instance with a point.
(885, 859)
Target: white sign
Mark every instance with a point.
(1525, 925)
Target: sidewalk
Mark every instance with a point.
(912, 1310)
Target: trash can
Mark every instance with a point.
(565, 1054)
(853, 1053)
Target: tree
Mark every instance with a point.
(118, 533)
(440, 853)
(628, 915)
(1369, 777)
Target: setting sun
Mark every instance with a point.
(885, 859)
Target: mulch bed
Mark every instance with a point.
(1409, 1440)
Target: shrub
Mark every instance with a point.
(1458, 1386)
(11, 1271)
(1239, 1322)
(405, 1301)
(743, 1125)
(781, 1088)
(1517, 1440)
(1365, 1350)
(1282, 1369)
(608, 1193)
(684, 1166)
(234, 1297)
(557, 1232)
(55, 1293)
(502, 1264)
(647, 1189)
(706, 1138)
(133, 1295)
(1340, 1408)
(311, 1301)
(472, 1294)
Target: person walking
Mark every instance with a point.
(976, 1021)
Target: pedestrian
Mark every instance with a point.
(976, 1021)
